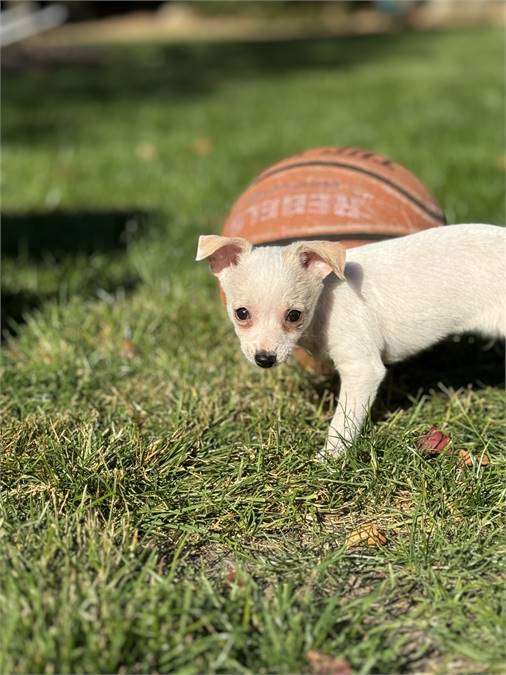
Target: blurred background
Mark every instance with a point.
(130, 127)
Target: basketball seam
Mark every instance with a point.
(343, 165)
(349, 236)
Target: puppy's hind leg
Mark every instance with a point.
(359, 384)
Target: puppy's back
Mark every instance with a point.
(444, 280)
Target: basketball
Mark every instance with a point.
(351, 195)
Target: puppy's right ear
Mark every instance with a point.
(323, 257)
(221, 251)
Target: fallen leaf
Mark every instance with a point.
(433, 442)
(369, 535)
(202, 146)
(322, 664)
(501, 162)
(146, 151)
(232, 577)
(127, 348)
(484, 459)
(465, 458)
(377, 539)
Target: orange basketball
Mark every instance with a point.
(352, 195)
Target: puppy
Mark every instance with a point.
(362, 308)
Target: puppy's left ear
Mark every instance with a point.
(221, 251)
(322, 257)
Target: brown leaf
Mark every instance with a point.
(377, 539)
(231, 575)
(369, 535)
(322, 664)
(501, 162)
(146, 151)
(433, 442)
(465, 458)
(202, 146)
(127, 348)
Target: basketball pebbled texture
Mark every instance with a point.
(347, 194)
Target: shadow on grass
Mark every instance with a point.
(57, 234)
(15, 308)
(463, 363)
(64, 85)
(457, 363)
(61, 250)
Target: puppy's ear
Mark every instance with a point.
(322, 257)
(221, 251)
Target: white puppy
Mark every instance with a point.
(387, 302)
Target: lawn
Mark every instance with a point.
(162, 509)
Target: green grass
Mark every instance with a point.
(162, 509)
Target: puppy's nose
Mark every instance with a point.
(265, 359)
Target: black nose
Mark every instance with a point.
(265, 359)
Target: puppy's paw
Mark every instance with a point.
(333, 449)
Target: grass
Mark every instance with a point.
(162, 509)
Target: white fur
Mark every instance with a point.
(399, 297)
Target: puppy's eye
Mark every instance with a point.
(293, 315)
(242, 313)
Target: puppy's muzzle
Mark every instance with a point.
(265, 359)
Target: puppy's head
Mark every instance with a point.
(271, 292)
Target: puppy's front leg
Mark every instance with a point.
(359, 384)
